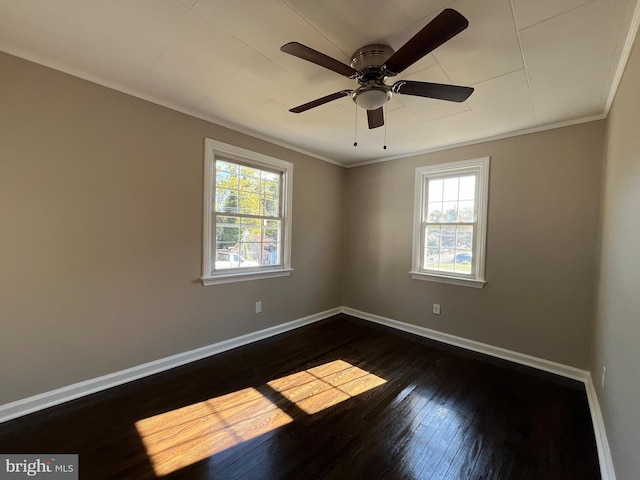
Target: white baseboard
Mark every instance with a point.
(604, 454)
(41, 401)
(521, 358)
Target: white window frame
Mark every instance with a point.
(479, 167)
(214, 150)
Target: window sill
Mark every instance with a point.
(244, 276)
(432, 277)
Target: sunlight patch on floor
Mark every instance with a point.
(181, 437)
(178, 438)
(321, 387)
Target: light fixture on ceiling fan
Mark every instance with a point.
(373, 64)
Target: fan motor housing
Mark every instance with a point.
(368, 60)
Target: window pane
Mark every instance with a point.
(464, 237)
(450, 212)
(226, 175)
(233, 257)
(271, 254)
(435, 190)
(272, 246)
(225, 247)
(252, 254)
(450, 189)
(227, 180)
(270, 176)
(431, 258)
(250, 184)
(270, 207)
(272, 223)
(434, 212)
(433, 236)
(463, 261)
(468, 187)
(271, 235)
(226, 200)
(248, 174)
(251, 229)
(249, 203)
(226, 167)
(270, 185)
(226, 224)
(223, 258)
(272, 257)
(271, 189)
(227, 236)
(466, 211)
(448, 238)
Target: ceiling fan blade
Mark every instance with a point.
(445, 26)
(320, 101)
(452, 93)
(310, 55)
(375, 118)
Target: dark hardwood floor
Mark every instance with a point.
(339, 399)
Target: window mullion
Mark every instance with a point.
(453, 224)
(247, 215)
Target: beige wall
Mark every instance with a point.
(544, 198)
(101, 233)
(617, 332)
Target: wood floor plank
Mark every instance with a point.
(339, 399)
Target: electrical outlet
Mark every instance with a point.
(258, 307)
(436, 309)
(604, 375)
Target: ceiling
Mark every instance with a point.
(532, 63)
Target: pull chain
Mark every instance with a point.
(355, 130)
(386, 120)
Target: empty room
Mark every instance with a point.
(291, 239)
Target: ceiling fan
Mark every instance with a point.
(371, 65)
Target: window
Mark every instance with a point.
(449, 230)
(247, 215)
